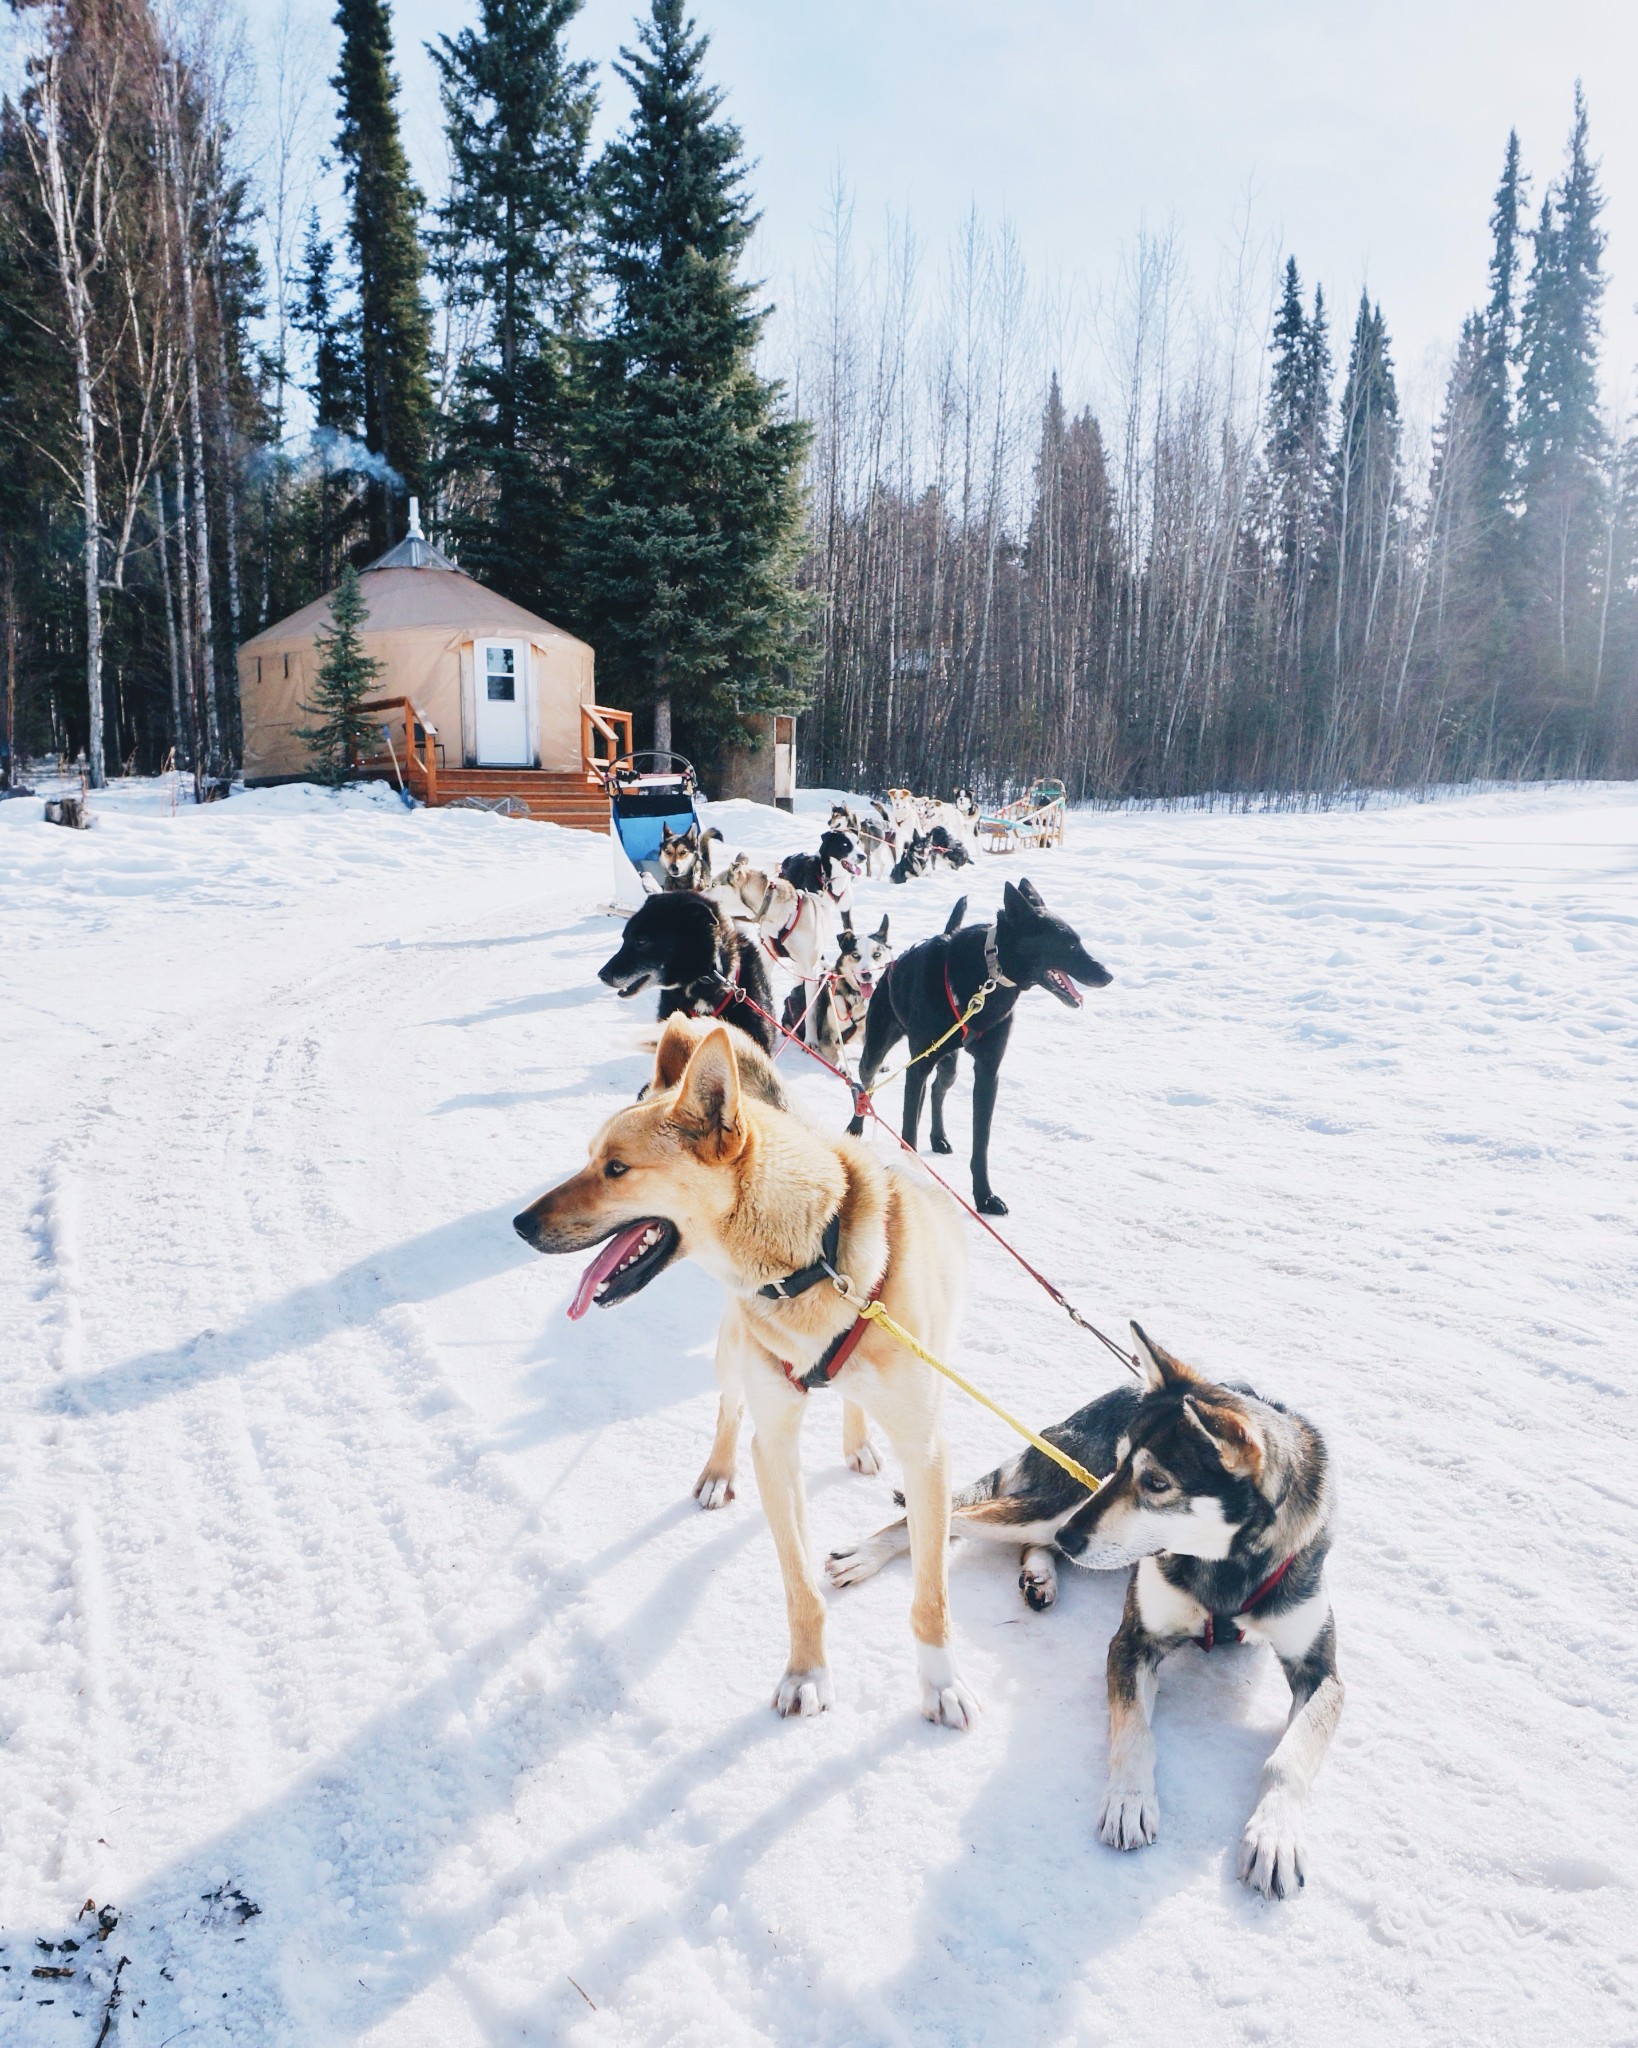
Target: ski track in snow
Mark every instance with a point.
(342, 1569)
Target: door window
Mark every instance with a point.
(502, 674)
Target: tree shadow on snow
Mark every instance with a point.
(439, 1261)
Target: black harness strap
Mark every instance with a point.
(805, 1277)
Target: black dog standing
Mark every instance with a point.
(928, 989)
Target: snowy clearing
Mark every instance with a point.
(342, 1571)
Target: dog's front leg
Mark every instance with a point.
(776, 1451)
(1130, 1815)
(915, 1085)
(715, 1486)
(857, 1449)
(1271, 1849)
(922, 1452)
(943, 1077)
(986, 1079)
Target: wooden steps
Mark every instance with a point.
(556, 798)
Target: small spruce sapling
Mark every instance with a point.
(342, 730)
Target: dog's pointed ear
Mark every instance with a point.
(1232, 1434)
(672, 1054)
(879, 935)
(1011, 900)
(707, 1109)
(1030, 894)
(1157, 1367)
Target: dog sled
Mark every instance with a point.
(1034, 820)
(645, 802)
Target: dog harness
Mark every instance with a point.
(776, 946)
(841, 1347)
(1248, 1606)
(992, 974)
(731, 994)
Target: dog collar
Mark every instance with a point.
(823, 1267)
(1250, 1605)
(992, 961)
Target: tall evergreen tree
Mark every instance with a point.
(1561, 438)
(512, 253)
(334, 389)
(1365, 486)
(340, 732)
(1298, 447)
(394, 327)
(691, 532)
(1494, 480)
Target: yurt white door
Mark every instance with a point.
(503, 703)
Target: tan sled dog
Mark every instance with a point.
(702, 1170)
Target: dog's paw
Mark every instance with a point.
(863, 1458)
(1271, 1851)
(946, 1700)
(802, 1693)
(849, 1567)
(1038, 1582)
(941, 1144)
(991, 1205)
(1129, 1817)
(714, 1489)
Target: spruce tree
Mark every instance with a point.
(340, 730)
(394, 327)
(512, 251)
(1494, 480)
(693, 515)
(1561, 438)
(333, 389)
(1365, 482)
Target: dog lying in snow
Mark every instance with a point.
(771, 1206)
(1221, 1502)
(702, 964)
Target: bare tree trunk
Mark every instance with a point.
(185, 614)
(178, 740)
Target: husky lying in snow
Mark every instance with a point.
(770, 1206)
(1222, 1503)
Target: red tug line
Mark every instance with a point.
(863, 1106)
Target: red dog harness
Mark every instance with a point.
(1248, 1606)
(841, 1347)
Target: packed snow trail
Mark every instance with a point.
(344, 1577)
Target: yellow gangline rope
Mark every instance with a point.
(979, 998)
(874, 1311)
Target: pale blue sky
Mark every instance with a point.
(1368, 136)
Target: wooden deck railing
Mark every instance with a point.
(419, 763)
(598, 722)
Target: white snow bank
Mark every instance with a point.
(342, 1570)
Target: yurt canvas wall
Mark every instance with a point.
(451, 646)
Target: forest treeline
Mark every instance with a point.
(1241, 571)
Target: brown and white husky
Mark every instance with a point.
(776, 1211)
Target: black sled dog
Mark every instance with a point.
(1221, 1503)
(928, 988)
(704, 967)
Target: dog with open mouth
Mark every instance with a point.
(1221, 1504)
(776, 1210)
(831, 1014)
(928, 988)
(702, 965)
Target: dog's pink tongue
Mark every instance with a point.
(608, 1257)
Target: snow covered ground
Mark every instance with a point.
(343, 1574)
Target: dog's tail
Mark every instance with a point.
(990, 1487)
(953, 921)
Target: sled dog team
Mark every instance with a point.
(1216, 1500)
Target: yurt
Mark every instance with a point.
(502, 688)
